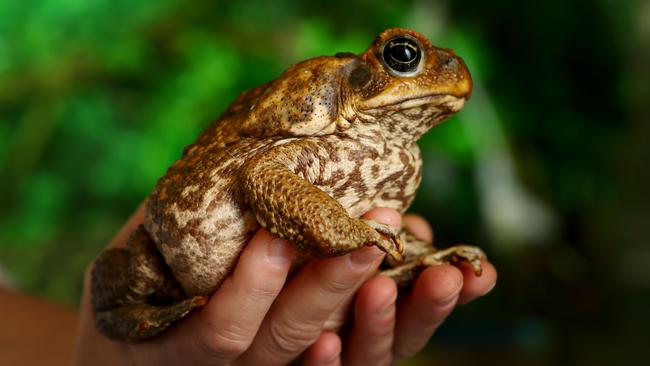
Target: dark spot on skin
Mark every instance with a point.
(404, 158)
(356, 181)
(407, 199)
(360, 77)
(375, 171)
(364, 152)
(334, 178)
(391, 178)
(410, 170)
(192, 227)
(334, 154)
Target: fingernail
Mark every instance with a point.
(279, 252)
(490, 288)
(364, 257)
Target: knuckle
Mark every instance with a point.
(292, 337)
(261, 293)
(338, 286)
(226, 342)
(340, 282)
(382, 327)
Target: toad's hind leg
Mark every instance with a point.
(134, 295)
(420, 255)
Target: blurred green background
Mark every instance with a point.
(547, 167)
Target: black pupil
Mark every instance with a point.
(402, 54)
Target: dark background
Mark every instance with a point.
(546, 167)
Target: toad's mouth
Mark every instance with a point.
(447, 103)
(439, 104)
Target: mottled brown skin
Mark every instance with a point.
(304, 156)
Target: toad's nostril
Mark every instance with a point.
(450, 63)
(447, 59)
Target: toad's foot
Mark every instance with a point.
(138, 322)
(390, 239)
(457, 254)
(405, 274)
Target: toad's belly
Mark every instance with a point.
(197, 220)
(207, 251)
(206, 254)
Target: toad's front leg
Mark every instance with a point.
(295, 209)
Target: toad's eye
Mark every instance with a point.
(402, 55)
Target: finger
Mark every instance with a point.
(227, 325)
(298, 315)
(419, 226)
(474, 286)
(326, 351)
(384, 216)
(297, 318)
(433, 297)
(371, 338)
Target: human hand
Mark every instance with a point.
(384, 331)
(252, 319)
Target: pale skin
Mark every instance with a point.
(258, 317)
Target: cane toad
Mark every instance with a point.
(304, 156)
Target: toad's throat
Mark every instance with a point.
(429, 109)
